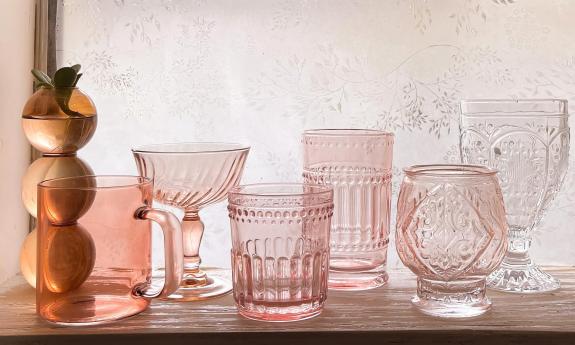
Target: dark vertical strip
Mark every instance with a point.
(51, 62)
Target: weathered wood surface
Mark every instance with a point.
(380, 316)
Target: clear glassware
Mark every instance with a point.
(357, 164)
(191, 176)
(280, 249)
(451, 232)
(94, 249)
(527, 141)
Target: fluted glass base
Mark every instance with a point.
(358, 280)
(525, 278)
(457, 299)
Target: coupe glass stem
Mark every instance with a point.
(192, 232)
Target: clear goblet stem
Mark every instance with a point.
(192, 231)
(518, 249)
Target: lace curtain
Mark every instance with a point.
(262, 71)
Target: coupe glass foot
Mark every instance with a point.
(214, 283)
(521, 279)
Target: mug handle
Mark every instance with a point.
(173, 252)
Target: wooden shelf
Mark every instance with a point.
(380, 316)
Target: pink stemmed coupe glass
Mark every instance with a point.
(280, 249)
(191, 176)
(451, 232)
(357, 164)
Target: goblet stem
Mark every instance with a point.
(519, 243)
(196, 284)
(192, 232)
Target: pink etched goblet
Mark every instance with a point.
(191, 176)
(280, 249)
(451, 232)
(357, 164)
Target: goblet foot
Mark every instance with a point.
(458, 299)
(203, 284)
(527, 278)
(359, 280)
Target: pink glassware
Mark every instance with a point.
(191, 176)
(94, 249)
(280, 249)
(451, 232)
(357, 164)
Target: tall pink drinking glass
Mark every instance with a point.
(357, 164)
(280, 249)
(451, 232)
(94, 249)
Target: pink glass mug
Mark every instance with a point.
(94, 249)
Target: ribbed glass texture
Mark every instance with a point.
(280, 254)
(357, 164)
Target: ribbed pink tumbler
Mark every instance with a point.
(280, 249)
(357, 164)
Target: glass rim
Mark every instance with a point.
(155, 148)
(346, 132)
(449, 170)
(561, 102)
(242, 190)
(135, 180)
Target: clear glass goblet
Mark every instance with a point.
(527, 141)
(191, 176)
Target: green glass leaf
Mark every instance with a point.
(39, 84)
(62, 96)
(65, 77)
(77, 78)
(41, 77)
(76, 67)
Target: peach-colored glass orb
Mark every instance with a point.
(28, 258)
(52, 130)
(46, 168)
(69, 254)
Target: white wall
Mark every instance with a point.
(262, 71)
(16, 60)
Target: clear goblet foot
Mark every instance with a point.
(517, 272)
